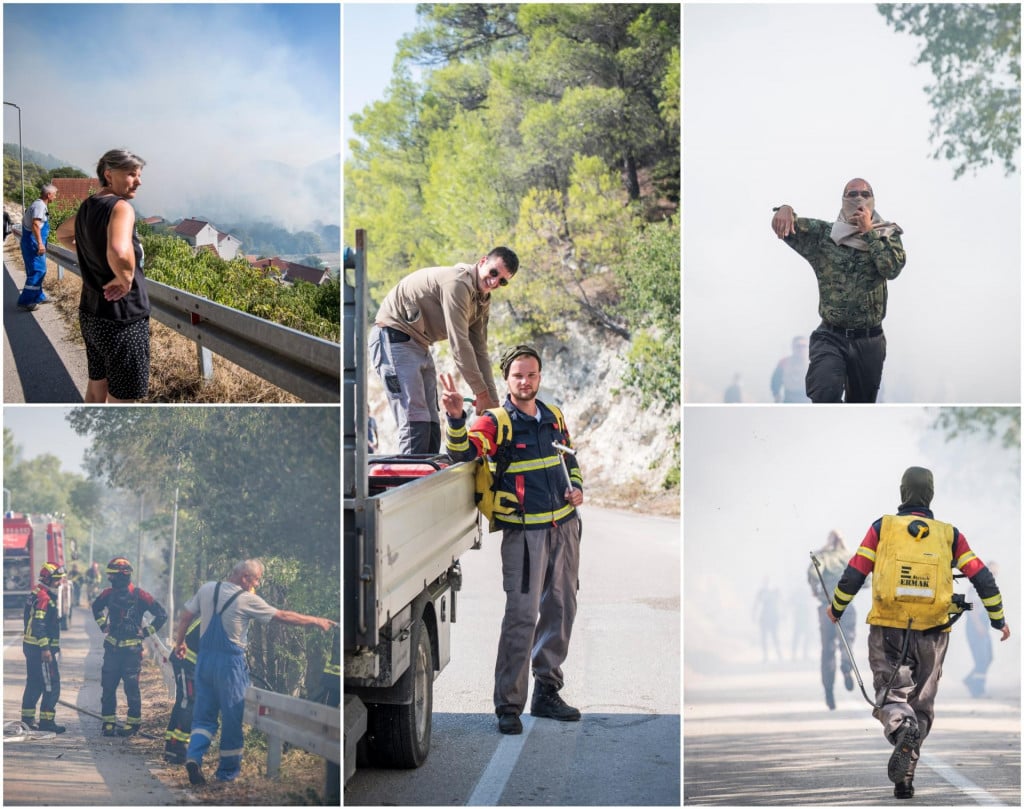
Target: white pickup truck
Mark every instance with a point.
(404, 534)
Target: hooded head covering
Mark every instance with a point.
(917, 488)
(847, 234)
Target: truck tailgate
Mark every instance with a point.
(421, 529)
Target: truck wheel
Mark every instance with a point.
(400, 734)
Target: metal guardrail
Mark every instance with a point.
(306, 366)
(313, 726)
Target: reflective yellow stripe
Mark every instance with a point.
(963, 560)
(533, 465)
(867, 553)
(534, 519)
(122, 643)
(333, 668)
(996, 599)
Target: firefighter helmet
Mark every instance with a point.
(119, 566)
(50, 573)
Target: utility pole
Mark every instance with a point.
(138, 556)
(174, 549)
(21, 154)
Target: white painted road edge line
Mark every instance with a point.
(967, 787)
(492, 783)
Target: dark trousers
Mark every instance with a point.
(841, 364)
(832, 644)
(43, 680)
(121, 665)
(179, 726)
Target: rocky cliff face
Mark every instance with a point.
(625, 450)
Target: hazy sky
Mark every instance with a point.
(207, 94)
(371, 33)
(785, 104)
(763, 486)
(41, 430)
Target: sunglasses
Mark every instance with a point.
(494, 273)
(855, 194)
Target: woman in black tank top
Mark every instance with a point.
(114, 307)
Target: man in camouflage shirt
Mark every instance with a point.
(852, 259)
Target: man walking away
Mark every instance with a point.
(910, 557)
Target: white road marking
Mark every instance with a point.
(492, 783)
(966, 786)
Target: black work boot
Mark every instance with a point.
(906, 740)
(830, 700)
(109, 729)
(128, 730)
(547, 703)
(848, 680)
(50, 725)
(905, 788)
(30, 723)
(510, 724)
(195, 773)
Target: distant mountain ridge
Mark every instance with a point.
(260, 234)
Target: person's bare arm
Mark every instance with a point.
(120, 251)
(298, 619)
(66, 233)
(179, 632)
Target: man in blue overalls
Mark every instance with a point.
(35, 229)
(225, 609)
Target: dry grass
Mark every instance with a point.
(174, 376)
(301, 782)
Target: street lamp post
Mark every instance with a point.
(21, 152)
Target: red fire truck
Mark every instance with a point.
(30, 540)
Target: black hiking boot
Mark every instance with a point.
(50, 725)
(906, 741)
(510, 724)
(546, 703)
(905, 789)
(195, 773)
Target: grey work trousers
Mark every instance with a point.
(538, 623)
(913, 691)
(410, 382)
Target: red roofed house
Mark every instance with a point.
(289, 272)
(199, 234)
(76, 188)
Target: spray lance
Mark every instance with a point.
(849, 651)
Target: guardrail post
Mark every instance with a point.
(204, 359)
(274, 748)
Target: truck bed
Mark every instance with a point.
(410, 536)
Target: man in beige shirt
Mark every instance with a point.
(429, 305)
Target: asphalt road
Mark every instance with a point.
(79, 767)
(40, 364)
(760, 735)
(622, 673)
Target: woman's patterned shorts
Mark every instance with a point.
(119, 353)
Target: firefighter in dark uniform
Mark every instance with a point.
(119, 611)
(180, 724)
(41, 645)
